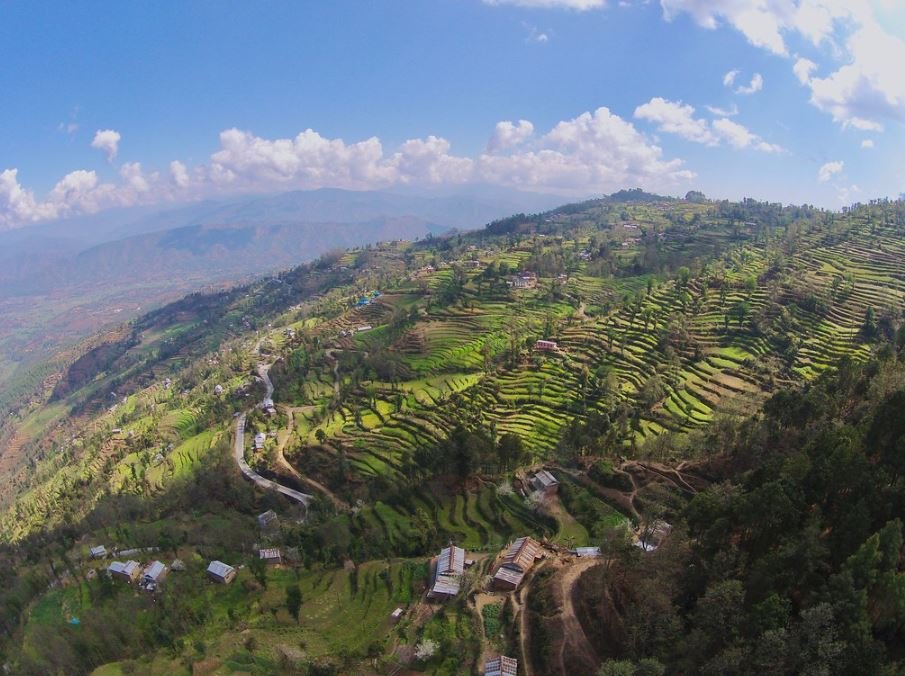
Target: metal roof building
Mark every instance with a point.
(128, 571)
(270, 555)
(544, 481)
(521, 554)
(155, 572)
(98, 552)
(451, 561)
(449, 567)
(516, 562)
(506, 579)
(221, 572)
(501, 666)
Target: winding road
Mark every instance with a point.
(239, 447)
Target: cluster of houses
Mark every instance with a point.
(357, 329)
(131, 571)
(367, 299)
(268, 407)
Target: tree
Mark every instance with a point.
(320, 435)
(510, 450)
(739, 312)
(294, 600)
(258, 568)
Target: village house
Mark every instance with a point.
(127, 571)
(268, 518)
(546, 346)
(98, 552)
(517, 561)
(366, 327)
(396, 615)
(586, 552)
(525, 280)
(448, 569)
(473, 265)
(544, 482)
(153, 575)
(270, 555)
(501, 666)
(260, 438)
(221, 572)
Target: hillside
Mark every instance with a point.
(626, 345)
(61, 282)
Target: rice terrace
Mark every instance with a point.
(576, 377)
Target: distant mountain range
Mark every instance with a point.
(63, 280)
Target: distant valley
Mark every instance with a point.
(63, 281)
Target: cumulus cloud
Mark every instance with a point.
(593, 153)
(580, 5)
(729, 78)
(866, 85)
(740, 137)
(830, 169)
(757, 83)
(758, 20)
(867, 143)
(868, 88)
(508, 134)
(678, 118)
(179, 174)
(18, 205)
(107, 141)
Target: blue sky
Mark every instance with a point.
(114, 104)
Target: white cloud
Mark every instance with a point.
(866, 86)
(828, 170)
(179, 174)
(508, 134)
(729, 78)
(107, 141)
(17, 205)
(758, 20)
(803, 69)
(740, 137)
(867, 143)
(591, 154)
(678, 118)
(580, 5)
(731, 111)
(757, 83)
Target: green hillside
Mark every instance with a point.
(413, 402)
